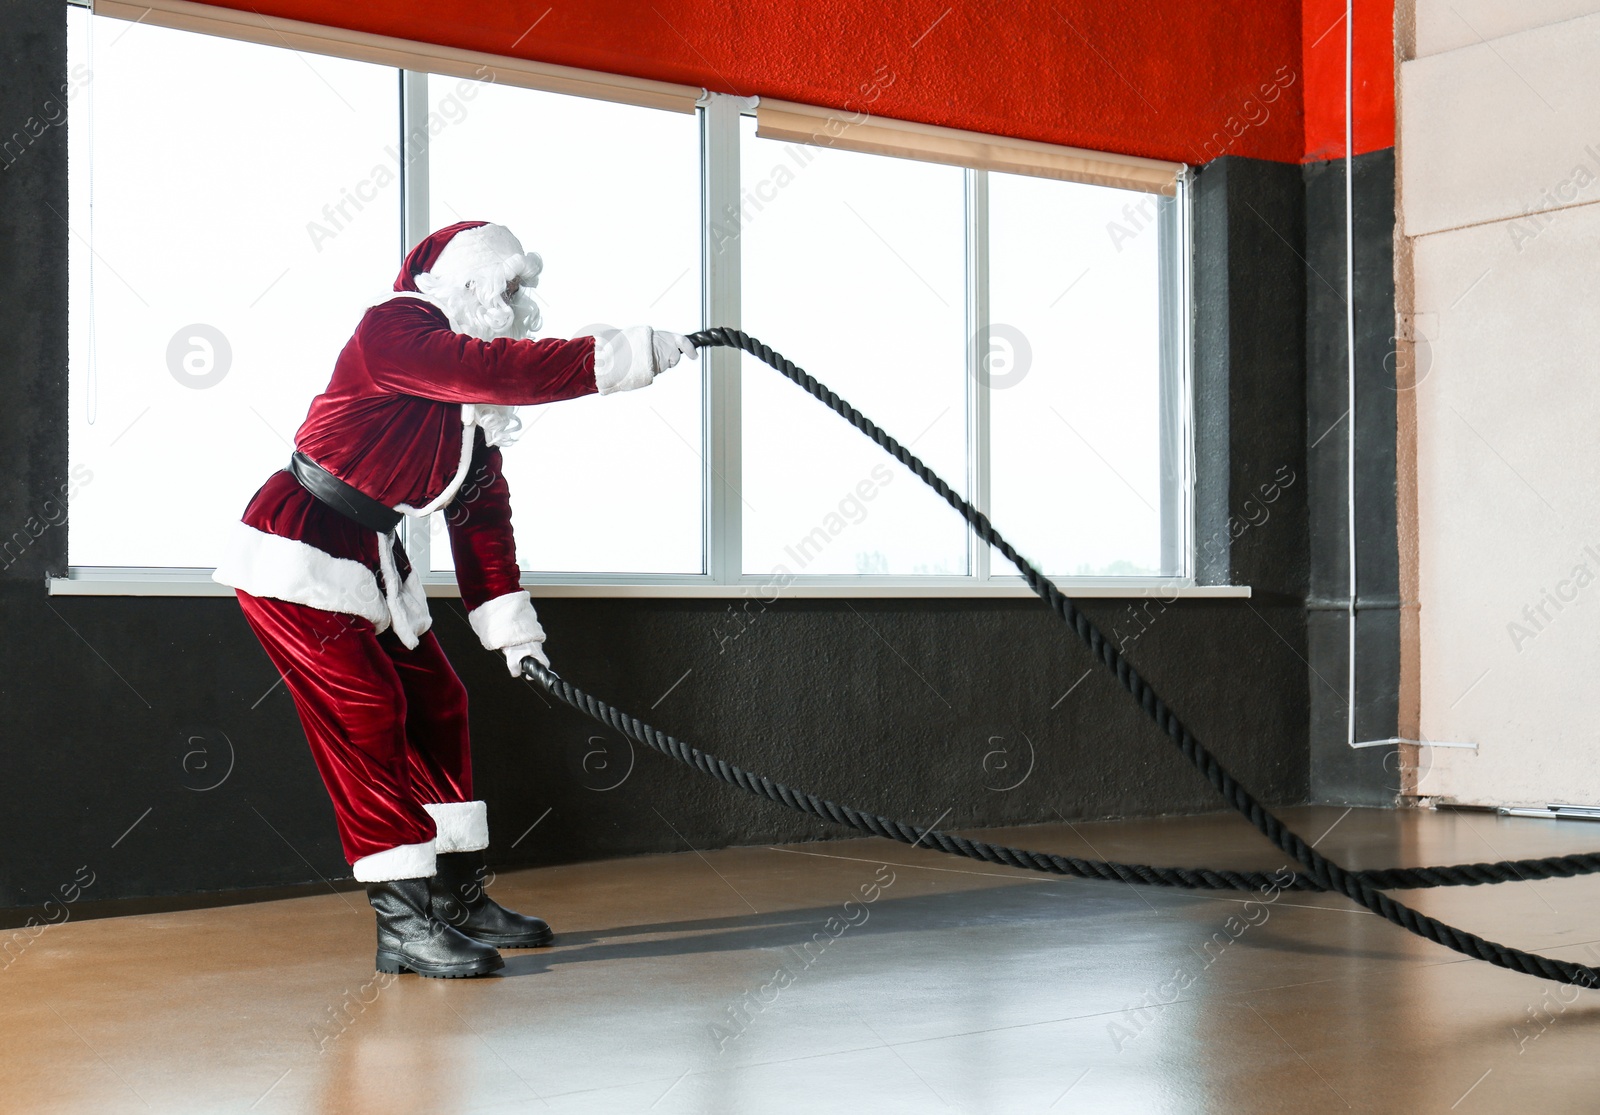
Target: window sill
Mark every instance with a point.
(198, 582)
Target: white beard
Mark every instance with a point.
(487, 321)
(500, 425)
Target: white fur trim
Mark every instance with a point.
(624, 359)
(476, 249)
(414, 601)
(281, 568)
(469, 419)
(463, 826)
(403, 627)
(506, 621)
(408, 603)
(270, 565)
(405, 861)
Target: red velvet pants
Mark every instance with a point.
(387, 725)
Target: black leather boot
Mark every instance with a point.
(411, 939)
(460, 900)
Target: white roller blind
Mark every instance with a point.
(877, 135)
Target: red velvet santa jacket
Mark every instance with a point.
(399, 422)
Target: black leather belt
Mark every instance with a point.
(350, 502)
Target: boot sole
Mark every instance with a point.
(393, 963)
(541, 942)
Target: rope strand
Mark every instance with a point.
(1318, 872)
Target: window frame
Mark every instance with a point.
(720, 121)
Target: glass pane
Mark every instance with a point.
(1074, 302)
(853, 267)
(609, 196)
(245, 212)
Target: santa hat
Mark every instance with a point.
(463, 250)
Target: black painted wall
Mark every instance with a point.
(1371, 775)
(1249, 378)
(121, 715)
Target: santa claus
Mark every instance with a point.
(412, 422)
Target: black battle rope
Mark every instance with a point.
(1321, 873)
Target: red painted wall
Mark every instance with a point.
(1170, 79)
(1322, 52)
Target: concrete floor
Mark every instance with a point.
(698, 983)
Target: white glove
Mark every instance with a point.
(668, 348)
(515, 655)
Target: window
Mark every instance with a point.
(854, 268)
(236, 238)
(609, 195)
(891, 274)
(203, 315)
(1075, 415)
(1024, 335)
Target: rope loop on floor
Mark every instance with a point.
(1317, 872)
